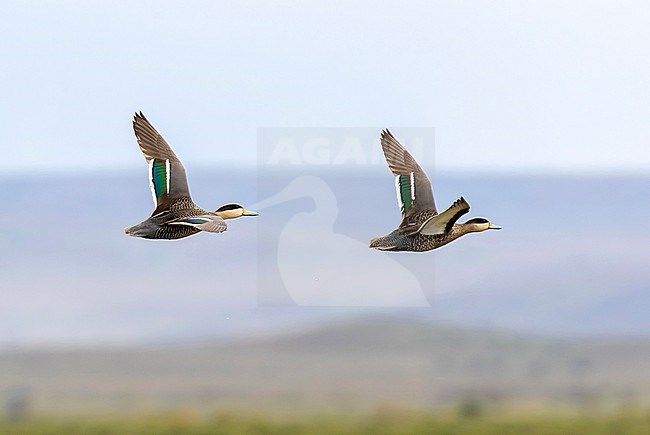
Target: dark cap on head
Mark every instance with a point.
(229, 207)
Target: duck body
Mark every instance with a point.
(403, 239)
(422, 227)
(400, 241)
(163, 225)
(175, 215)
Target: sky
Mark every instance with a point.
(507, 85)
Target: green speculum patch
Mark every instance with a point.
(159, 177)
(405, 190)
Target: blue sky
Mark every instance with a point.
(508, 85)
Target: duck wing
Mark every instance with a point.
(167, 177)
(414, 192)
(210, 223)
(443, 222)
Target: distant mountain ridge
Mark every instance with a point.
(565, 263)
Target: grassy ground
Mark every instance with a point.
(384, 423)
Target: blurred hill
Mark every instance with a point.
(344, 366)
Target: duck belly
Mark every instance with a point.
(152, 230)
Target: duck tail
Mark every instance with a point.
(135, 231)
(381, 244)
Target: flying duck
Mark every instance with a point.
(175, 215)
(422, 227)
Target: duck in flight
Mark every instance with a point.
(175, 215)
(422, 227)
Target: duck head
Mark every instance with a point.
(232, 211)
(477, 225)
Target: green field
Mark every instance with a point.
(367, 377)
(387, 422)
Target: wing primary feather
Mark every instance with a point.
(155, 148)
(402, 164)
(443, 222)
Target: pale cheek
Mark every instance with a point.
(231, 214)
